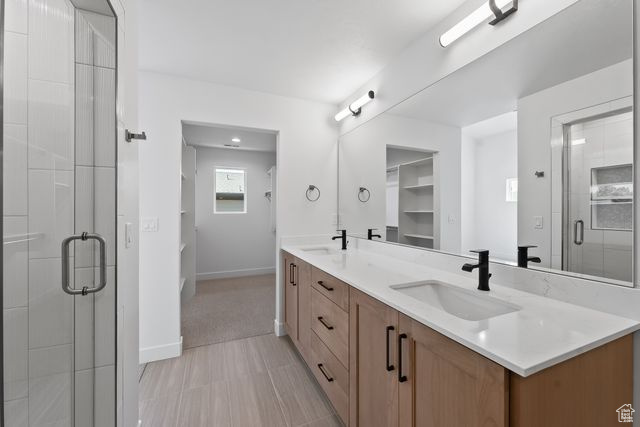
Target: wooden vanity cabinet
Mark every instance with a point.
(380, 368)
(445, 383)
(432, 381)
(373, 331)
(297, 302)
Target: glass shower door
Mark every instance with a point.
(598, 237)
(59, 215)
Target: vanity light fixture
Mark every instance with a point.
(493, 8)
(355, 108)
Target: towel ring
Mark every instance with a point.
(310, 190)
(361, 195)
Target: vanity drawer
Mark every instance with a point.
(332, 288)
(332, 376)
(331, 324)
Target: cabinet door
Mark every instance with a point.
(303, 279)
(290, 298)
(446, 383)
(373, 383)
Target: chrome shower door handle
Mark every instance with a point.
(65, 264)
(577, 223)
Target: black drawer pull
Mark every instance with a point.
(295, 269)
(325, 324)
(291, 273)
(321, 367)
(321, 283)
(389, 366)
(401, 378)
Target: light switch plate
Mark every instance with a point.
(150, 224)
(538, 223)
(128, 235)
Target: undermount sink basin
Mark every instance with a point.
(462, 303)
(320, 250)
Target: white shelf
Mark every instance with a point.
(182, 246)
(419, 212)
(419, 236)
(417, 187)
(420, 162)
(182, 282)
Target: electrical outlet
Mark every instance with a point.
(150, 224)
(334, 219)
(452, 219)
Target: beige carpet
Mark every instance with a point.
(229, 309)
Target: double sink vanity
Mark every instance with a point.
(397, 343)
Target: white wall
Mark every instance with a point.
(234, 244)
(424, 61)
(128, 213)
(307, 154)
(535, 113)
(369, 170)
(487, 216)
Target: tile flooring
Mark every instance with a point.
(252, 382)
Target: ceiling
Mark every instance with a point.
(215, 136)
(507, 122)
(586, 37)
(320, 50)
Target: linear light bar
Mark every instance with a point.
(355, 108)
(490, 9)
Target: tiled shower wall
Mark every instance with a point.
(50, 179)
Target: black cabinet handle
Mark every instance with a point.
(326, 325)
(293, 277)
(389, 367)
(401, 378)
(321, 283)
(291, 273)
(321, 367)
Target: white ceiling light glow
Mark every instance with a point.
(355, 108)
(491, 9)
(236, 140)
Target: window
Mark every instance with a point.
(512, 190)
(231, 191)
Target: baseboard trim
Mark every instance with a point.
(160, 352)
(278, 328)
(235, 273)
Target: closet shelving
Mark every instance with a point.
(418, 202)
(187, 222)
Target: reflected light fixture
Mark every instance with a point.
(236, 140)
(496, 9)
(355, 108)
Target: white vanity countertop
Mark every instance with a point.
(542, 333)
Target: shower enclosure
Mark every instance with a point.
(59, 188)
(598, 195)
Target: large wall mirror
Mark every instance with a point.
(530, 145)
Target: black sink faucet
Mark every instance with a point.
(370, 234)
(483, 269)
(523, 256)
(343, 236)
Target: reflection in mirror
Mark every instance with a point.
(530, 145)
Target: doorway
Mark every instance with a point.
(232, 233)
